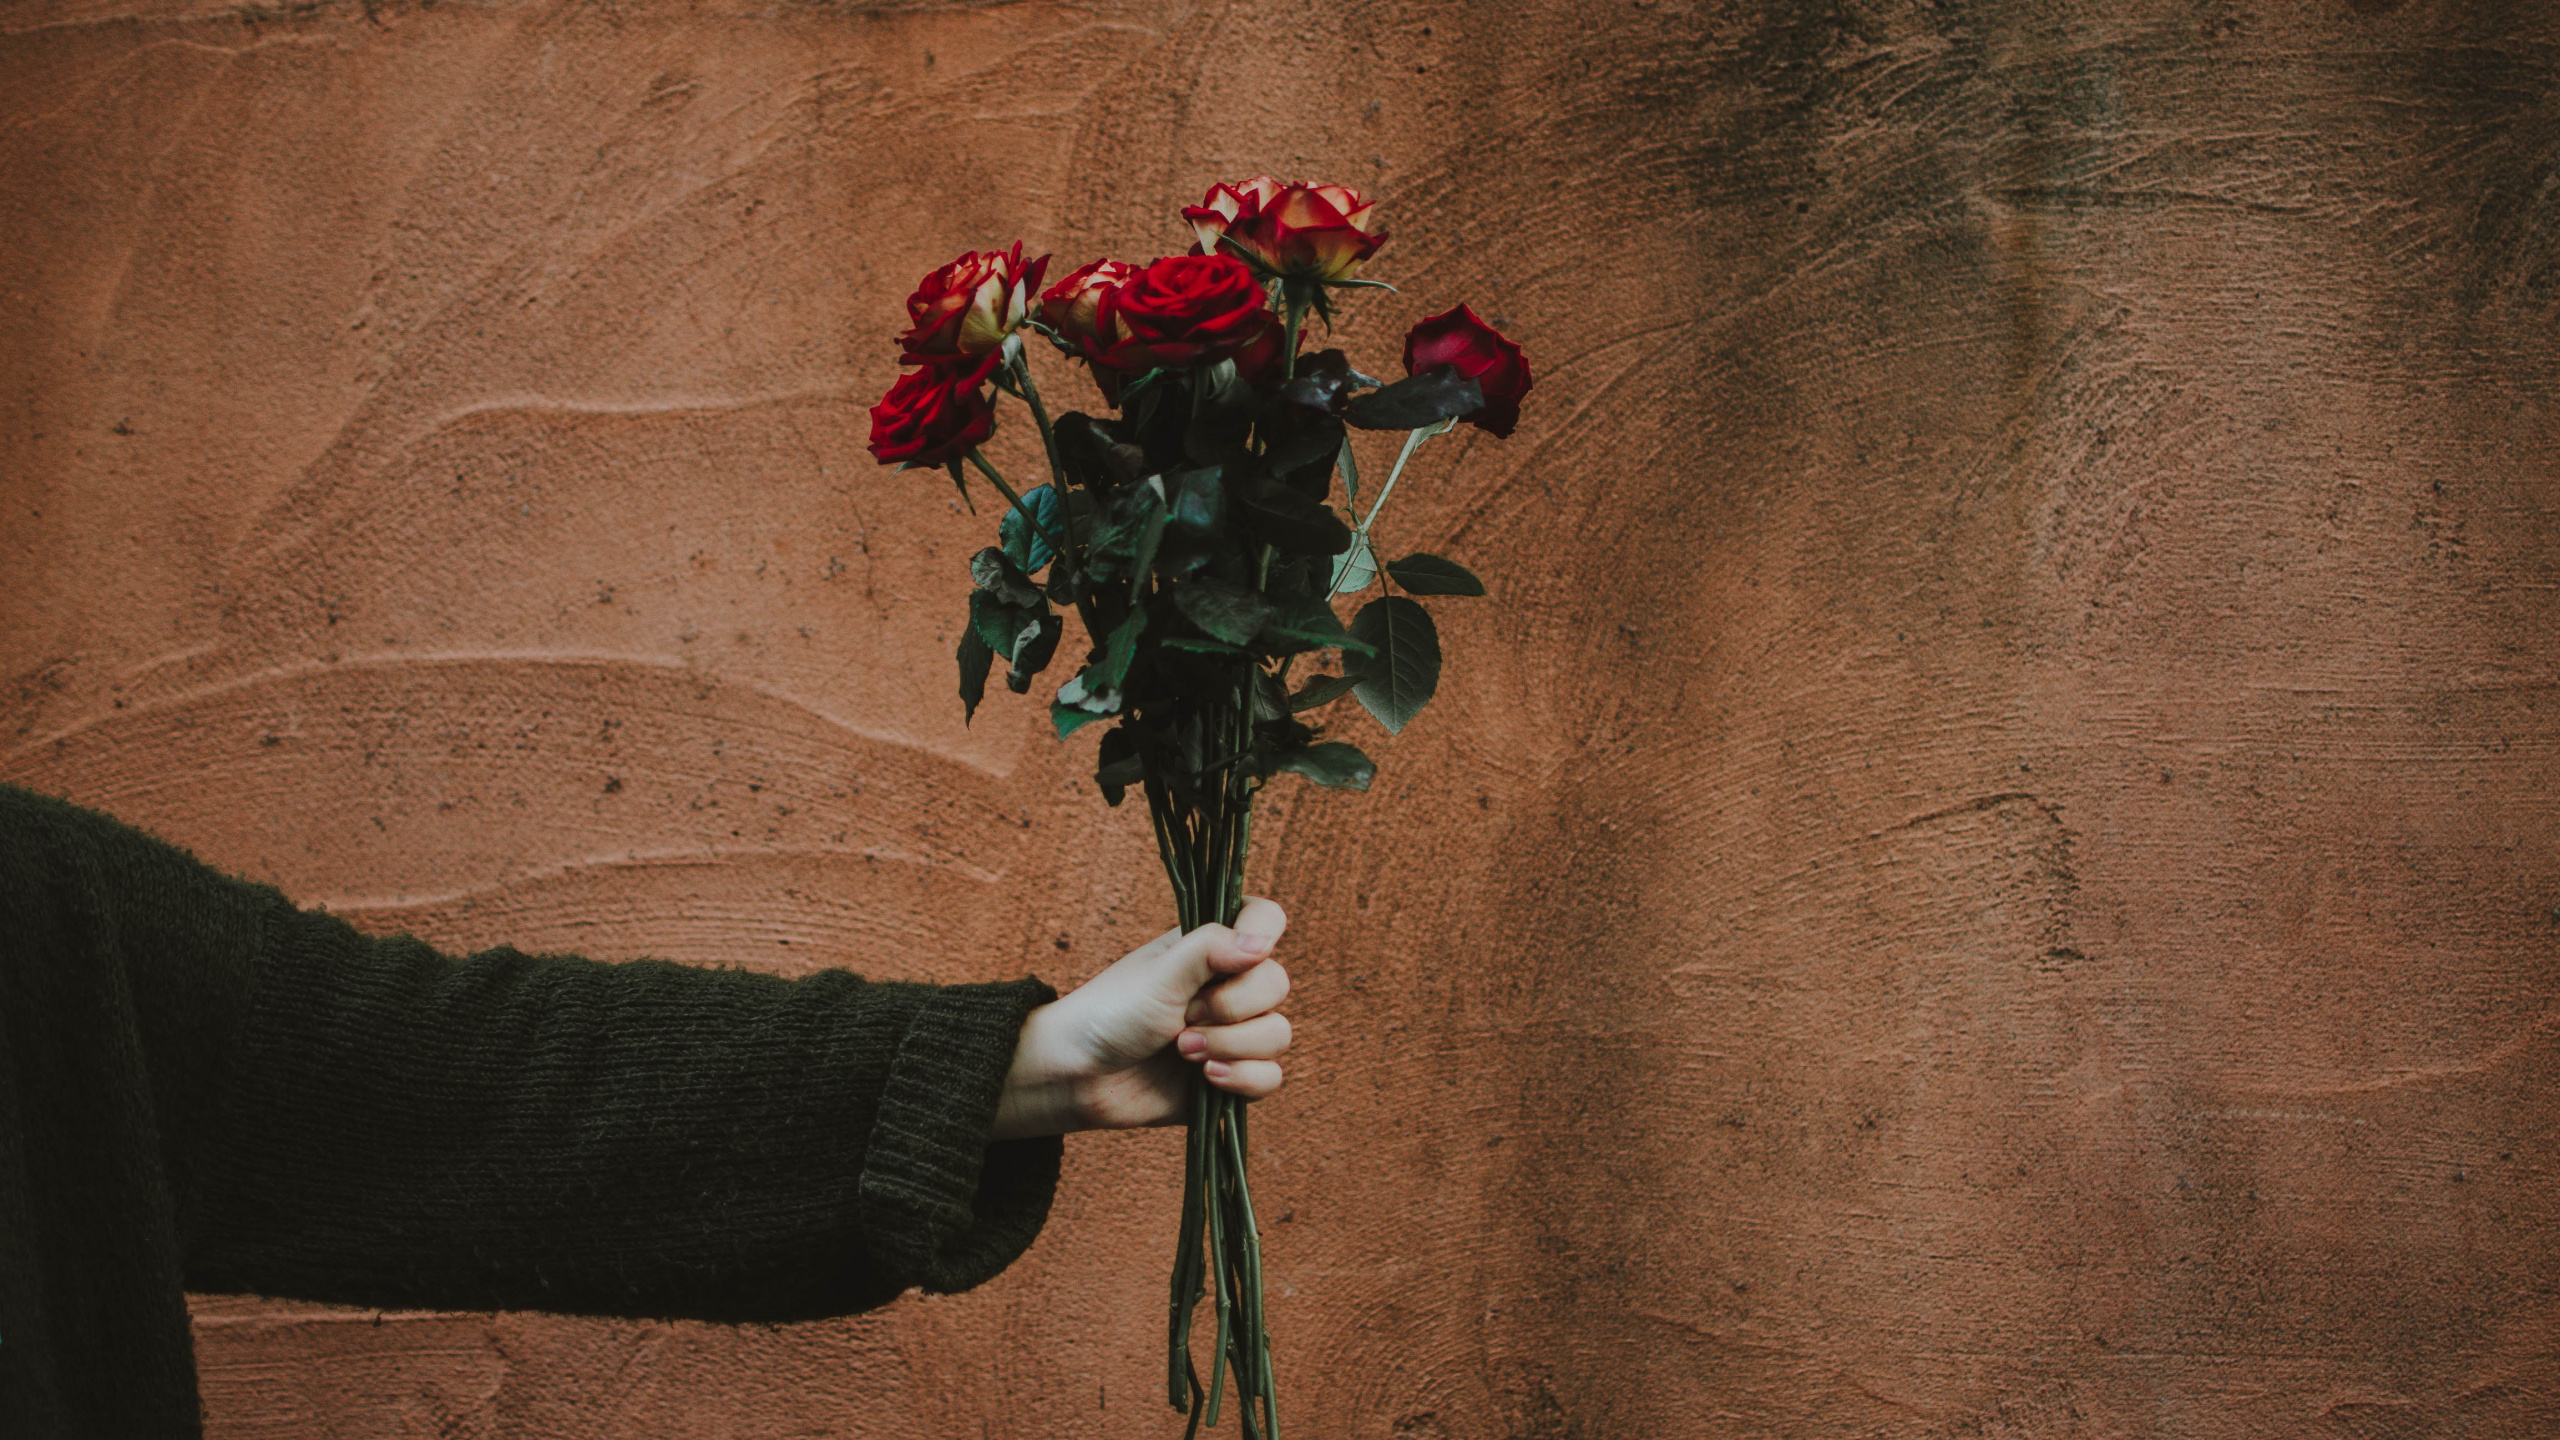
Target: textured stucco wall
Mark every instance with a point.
(1993, 869)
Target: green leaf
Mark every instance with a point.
(1227, 611)
(1026, 544)
(1196, 501)
(975, 660)
(998, 624)
(1095, 690)
(1151, 523)
(1069, 718)
(960, 478)
(1221, 417)
(1307, 623)
(1199, 646)
(1031, 651)
(1322, 690)
(992, 572)
(1333, 763)
(1195, 521)
(1295, 577)
(1270, 701)
(1108, 672)
(1422, 574)
(1096, 454)
(1081, 508)
(1399, 678)
(1310, 442)
(1125, 546)
(1288, 519)
(1355, 569)
(1350, 468)
(1437, 394)
(1279, 732)
(1121, 764)
(1321, 381)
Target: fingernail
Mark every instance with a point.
(1253, 944)
(1192, 1044)
(1217, 1069)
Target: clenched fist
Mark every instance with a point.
(1116, 1053)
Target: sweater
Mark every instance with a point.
(205, 1088)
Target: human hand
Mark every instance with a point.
(1116, 1053)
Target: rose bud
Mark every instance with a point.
(1073, 305)
(935, 413)
(1181, 310)
(1302, 230)
(969, 306)
(1480, 353)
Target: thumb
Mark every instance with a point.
(1217, 950)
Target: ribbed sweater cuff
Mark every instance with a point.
(941, 1206)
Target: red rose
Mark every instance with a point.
(968, 306)
(1182, 310)
(1482, 354)
(1302, 230)
(935, 413)
(1073, 305)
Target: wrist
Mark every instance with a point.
(1040, 1095)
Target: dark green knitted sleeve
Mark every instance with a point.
(124, 983)
(503, 1131)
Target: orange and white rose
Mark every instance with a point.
(1073, 306)
(1300, 230)
(969, 306)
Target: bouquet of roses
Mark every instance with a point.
(1195, 533)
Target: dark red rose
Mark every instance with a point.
(935, 413)
(1181, 310)
(1073, 306)
(968, 306)
(1482, 354)
(1303, 230)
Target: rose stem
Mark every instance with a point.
(1217, 1271)
(1213, 856)
(1057, 477)
(1039, 415)
(1207, 891)
(1056, 542)
(1251, 1341)
(1412, 442)
(1197, 1160)
(1260, 1360)
(1182, 1380)
(1297, 310)
(1247, 1328)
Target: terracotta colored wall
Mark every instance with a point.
(1991, 872)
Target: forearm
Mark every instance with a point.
(505, 1131)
